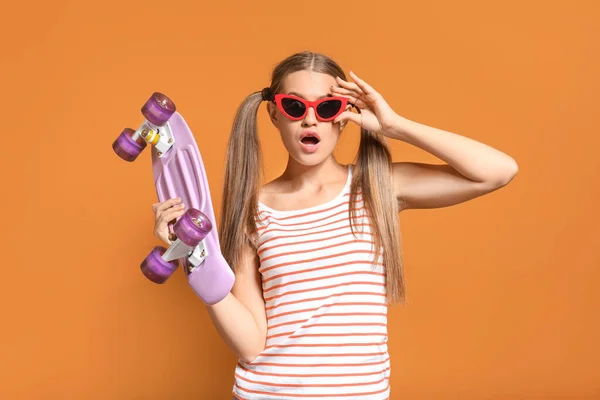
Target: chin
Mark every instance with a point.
(310, 159)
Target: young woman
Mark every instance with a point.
(316, 252)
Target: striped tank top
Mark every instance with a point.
(326, 308)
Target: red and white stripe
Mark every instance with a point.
(325, 304)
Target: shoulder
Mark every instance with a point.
(269, 191)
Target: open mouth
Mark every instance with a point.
(310, 140)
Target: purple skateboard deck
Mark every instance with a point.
(180, 173)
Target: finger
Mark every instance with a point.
(346, 92)
(173, 219)
(171, 214)
(160, 207)
(353, 99)
(162, 225)
(348, 85)
(364, 86)
(349, 116)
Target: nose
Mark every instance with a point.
(310, 118)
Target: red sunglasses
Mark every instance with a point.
(295, 108)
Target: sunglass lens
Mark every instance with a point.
(293, 107)
(329, 108)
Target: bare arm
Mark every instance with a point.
(472, 170)
(240, 318)
(423, 186)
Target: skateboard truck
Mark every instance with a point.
(179, 250)
(160, 137)
(155, 130)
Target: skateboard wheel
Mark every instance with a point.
(158, 109)
(127, 148)
(192, 227)
(155, 268)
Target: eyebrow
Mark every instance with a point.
(299, 95)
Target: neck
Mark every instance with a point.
(317, 175)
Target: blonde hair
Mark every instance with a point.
(372, 175)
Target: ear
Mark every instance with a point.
(272, 110)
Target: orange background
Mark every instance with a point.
(502, 291)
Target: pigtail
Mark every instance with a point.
(243, 163)
(374, 179)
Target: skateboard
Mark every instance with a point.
(178, 171)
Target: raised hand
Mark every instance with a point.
(375, 113)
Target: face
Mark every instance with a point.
(309, 134)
